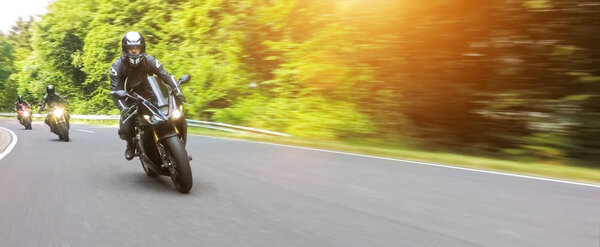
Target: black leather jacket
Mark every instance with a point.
(133, 79)
(52, 100)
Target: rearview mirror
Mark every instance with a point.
(121, 93)
(184, 79)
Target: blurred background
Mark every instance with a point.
(516, 80)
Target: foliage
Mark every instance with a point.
(6, 69)
(516, 79)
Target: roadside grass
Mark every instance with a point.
(540, 169)
(374, 148)
(96, 122)
(77, 121)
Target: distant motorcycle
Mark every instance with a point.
(24, 115)
(160, 133)
(58, 118)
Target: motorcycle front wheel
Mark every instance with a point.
(182, 174)
(28, 124)
(63, 132)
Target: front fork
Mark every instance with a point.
(167, 162)
(159, 133)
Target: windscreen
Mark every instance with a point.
(160, 91)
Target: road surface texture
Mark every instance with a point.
(84, 193)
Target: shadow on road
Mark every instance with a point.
(138, 182)
(59, 140)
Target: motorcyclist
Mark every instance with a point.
(19, 104)
(129, 72)
(51, 99)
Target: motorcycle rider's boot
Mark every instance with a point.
(130, 151)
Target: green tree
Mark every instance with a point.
(6, 69)
(515, 79)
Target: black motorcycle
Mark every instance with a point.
(160, 132)
(58, 119)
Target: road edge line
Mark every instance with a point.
(12, 144)
(418, 162)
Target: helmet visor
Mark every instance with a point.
(134, 50)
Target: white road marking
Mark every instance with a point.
(11, 145)
(416, 162)
(86, 131)
(104, 127)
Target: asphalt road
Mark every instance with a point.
(84, 193)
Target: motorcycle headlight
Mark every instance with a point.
(58, 112)
(176, 113)
(147, 117)
(25, 114)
